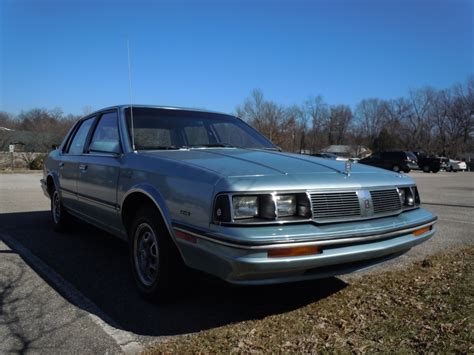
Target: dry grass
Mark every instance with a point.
(428, 307)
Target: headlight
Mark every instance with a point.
(260, 208)
(417, 196)
(409, 196)
(245, 206)
(286, 205)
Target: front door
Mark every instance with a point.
(98, 172)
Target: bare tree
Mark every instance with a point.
(371, 116)
(265, 116)
(339, 120)
(317, 112)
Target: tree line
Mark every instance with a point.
(435, 121)
(37, 128)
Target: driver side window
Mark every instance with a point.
(106, 136)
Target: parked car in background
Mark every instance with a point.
(462, 165)
(205, 190)
(427, 163)
(444, 162)
(453, 165)
(392, 160)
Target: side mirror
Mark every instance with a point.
(105, 147)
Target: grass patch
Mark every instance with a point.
(428, 307)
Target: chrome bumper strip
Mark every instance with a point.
(325, 242)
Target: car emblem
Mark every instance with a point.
(367, 204)
(347, 168)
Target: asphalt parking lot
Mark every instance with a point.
(74, 293)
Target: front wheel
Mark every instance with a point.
(59, 214)
(153, 257)
(426, 169)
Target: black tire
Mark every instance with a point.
(59, 215)
(406, 171)
(435, 171)
(155, 262)
(396, 168)
(426, 169)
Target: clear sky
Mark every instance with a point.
(211, 54)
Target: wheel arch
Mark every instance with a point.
(145, 194)
(51, 182)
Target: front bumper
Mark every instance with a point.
(346, 247)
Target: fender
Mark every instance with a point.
(152, 193)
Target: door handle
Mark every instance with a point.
(83, 167)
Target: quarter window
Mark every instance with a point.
(77, 143)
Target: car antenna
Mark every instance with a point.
(132, 133)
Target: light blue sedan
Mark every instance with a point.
(205, 190)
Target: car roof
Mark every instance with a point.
(158, 107)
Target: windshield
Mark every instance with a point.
(156, 128)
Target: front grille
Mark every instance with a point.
(334, 205)
(385, 201)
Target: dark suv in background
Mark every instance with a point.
(428, 163)
(397, 160)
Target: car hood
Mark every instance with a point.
(249, 162)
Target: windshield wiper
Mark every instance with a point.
(162, 147)
(214, 145)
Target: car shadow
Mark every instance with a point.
(96, 264)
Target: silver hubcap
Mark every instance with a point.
(145, 254)
(56, 207)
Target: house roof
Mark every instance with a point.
(344, 149)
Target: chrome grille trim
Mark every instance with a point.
(335, 205)
(385, 201)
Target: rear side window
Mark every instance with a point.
(106, 136)
(79, 139)
(393, 155)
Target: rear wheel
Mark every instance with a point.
(60, 216)
(426, 168)
(153, 257)
(396, 168)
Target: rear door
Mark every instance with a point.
(99, 170)
(69, 163)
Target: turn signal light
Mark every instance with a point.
(185, 236)
(421, 231)
(296, 251)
